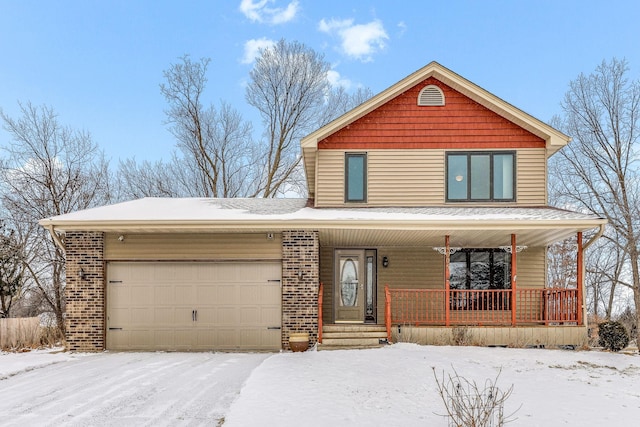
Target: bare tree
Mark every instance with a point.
(48, 170)
(601, 174)
(154, 179)
(339, 101)
(215, 143)
(11, 271)
(287, 85)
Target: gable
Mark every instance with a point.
(401, 123)
(553, 139)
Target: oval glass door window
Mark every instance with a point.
(349, 283)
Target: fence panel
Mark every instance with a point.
(19, 331)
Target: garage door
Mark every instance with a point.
(193, 306)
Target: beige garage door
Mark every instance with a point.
(193, 306)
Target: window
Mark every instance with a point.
(480, 269)
(480, 176)
(355, 177)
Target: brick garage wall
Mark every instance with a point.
(85, 305)
(300, 253)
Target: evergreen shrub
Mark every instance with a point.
(613, 336)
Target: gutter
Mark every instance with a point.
(56, 238)
(594, 238)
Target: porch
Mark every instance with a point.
(525, 317)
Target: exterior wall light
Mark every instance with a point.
(385, 261)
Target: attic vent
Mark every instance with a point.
(431, 96)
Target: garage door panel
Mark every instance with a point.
(152, 306)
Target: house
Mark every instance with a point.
(427, 211)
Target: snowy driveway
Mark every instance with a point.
(125, 389)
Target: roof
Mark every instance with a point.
(365, 225)
(553, 138)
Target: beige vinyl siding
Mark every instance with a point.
(172, 246)
(531, 177)
(532, 268)
(409, 268)
(417, 178)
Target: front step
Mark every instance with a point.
(350, 336)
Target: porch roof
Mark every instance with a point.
(352, 226)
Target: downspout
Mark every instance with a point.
(56, 238)
(594, 238)
(584, 294)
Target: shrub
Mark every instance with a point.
(613, 336)
(469, 405)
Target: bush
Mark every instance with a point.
(613, 336)
(469, 405)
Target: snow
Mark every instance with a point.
(391, 386)
(152, 209)
(395, 386)
(14, 363)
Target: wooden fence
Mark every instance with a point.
(19, 332)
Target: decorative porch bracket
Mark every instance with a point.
(443, 250)
(509, 249)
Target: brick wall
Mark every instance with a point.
(300, 254)
(85, 305)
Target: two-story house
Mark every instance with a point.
(427, 212)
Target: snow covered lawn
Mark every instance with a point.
(392, 386)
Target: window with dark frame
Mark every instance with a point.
(480, 270)
(480, 176)
(355, 171)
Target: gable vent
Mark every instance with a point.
(431, 96)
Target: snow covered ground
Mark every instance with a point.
(392, 386)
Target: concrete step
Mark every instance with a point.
(353, 328)
(325, 347)
(354, 334)
(350, 341)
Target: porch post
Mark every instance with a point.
(514, 278)
(580, 279)
(447, 283)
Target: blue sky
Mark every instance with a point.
(99, 64)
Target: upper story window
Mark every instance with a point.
(431, 96)
(481, 176)
(355, 173)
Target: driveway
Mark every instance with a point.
(127, 389)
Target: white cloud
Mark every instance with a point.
(252, 48)
(402, 27)
(358, 41)
(258, 11)
(336, 80)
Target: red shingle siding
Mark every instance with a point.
(85, 298)
(300, 253)
(460, 123)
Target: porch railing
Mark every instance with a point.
(320, 292)
(480, 307)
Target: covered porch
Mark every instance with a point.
(419, 288)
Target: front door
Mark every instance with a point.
(355, 285)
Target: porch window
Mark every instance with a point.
(480, 270)
(480, 176)
(355, 177)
